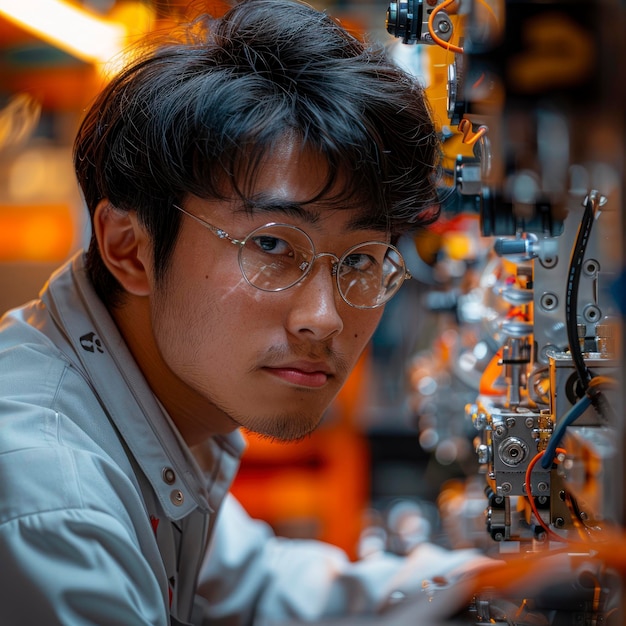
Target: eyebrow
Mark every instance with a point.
(270, 204)
(263, 203)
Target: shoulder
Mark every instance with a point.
(44, 474)
(58, 449)
(76, 566)
(24, 349)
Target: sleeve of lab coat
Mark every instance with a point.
(74, 567)
(63, 561)
(251, 576)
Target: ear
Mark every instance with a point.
(124, 247)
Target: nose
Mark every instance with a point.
(314, 311)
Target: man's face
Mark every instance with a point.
(270, 362)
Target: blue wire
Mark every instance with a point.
(571, 416)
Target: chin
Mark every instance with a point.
(286, 428)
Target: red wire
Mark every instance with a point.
(531, 500)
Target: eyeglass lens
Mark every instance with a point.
(276, 257)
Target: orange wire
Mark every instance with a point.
(431, 28)
(531, 500)
(446, 44)
(604, 381)
(469, 136)
(479, 80)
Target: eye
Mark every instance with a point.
(273, 245)
(360, 262)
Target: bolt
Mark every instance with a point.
(592, 313)
(479, 420)
(483, 454)
(549, 301)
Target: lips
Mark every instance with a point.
(302, 373)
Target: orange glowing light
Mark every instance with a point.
(36, 233)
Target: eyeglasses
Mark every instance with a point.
(275, 257)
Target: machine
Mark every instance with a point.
(531, 114)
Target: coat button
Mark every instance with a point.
(168, 475)
(177, 497)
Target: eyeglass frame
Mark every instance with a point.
(222, 234)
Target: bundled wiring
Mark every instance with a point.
(572, 415)
(531, 499)
(569, 418)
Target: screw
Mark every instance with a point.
(548, 301)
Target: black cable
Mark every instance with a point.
(573, 282)
(598, 400)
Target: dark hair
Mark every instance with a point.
(202, 109)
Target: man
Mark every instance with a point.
(245, 188)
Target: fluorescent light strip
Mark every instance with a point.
(82, 34)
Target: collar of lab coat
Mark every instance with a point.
(96, 348)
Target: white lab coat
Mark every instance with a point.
(106, 517)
